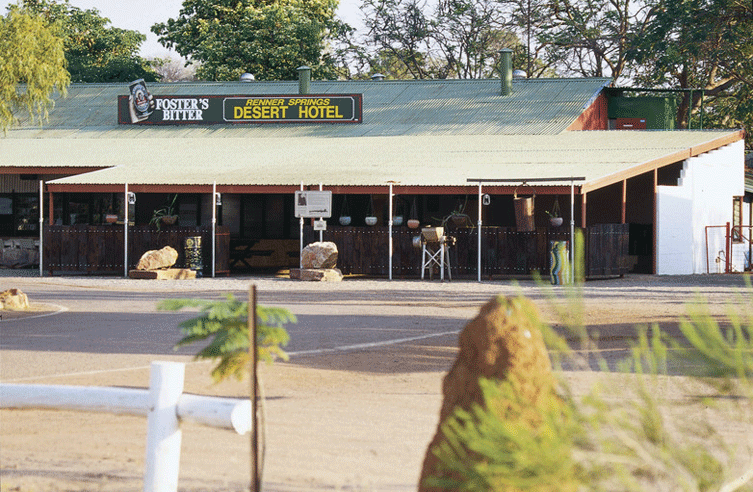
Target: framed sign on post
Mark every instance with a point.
(313, 204)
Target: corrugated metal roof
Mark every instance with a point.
(416, 107)
(359, 161)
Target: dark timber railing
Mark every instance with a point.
(100, 249)
(505, 251)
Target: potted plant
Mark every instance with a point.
(165, 215)
(458, 217)
(345, 218)
(370, 217)
(397, 217)
(413, 222)
(555, 220)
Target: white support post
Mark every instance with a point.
(321, 233)
(480, 198)
(214, 224)
(389, 237)
(572, 231)
(163, 434)
(125, 232)
(41, 227)
(441, 261)
(300, 249)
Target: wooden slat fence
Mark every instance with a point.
(607, 248)
(99, 249)
(505, 251)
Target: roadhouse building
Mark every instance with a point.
(652, 201)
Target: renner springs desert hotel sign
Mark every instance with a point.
(141, 107)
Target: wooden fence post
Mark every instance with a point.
(163, 435)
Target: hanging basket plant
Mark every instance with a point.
(397, 217)
(555, 219)
(345, 218)
(413, 221)
(370, 217)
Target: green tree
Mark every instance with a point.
(704, 44)
(222, 327)
(268, 39)
(458, 38)
(32, 66)
(95, 51)
(400, 31)
(592, 38)
(470, 36)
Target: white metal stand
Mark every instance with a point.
(439, 257)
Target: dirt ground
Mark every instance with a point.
(353, 419)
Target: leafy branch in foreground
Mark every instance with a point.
(226, 324)
(508, 444)
(654, 426)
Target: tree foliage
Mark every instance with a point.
(173, 70)
(225, 324)
(592, 38)
(598, 441)
(673, 44)
(95, 51)
(32, 65)
(705, 44)
(268, 39)
(453, 38)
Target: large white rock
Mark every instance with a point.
(319, 255)
(157, 259)
(14, 300)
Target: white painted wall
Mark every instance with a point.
(702, 198)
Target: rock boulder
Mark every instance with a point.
(316, 274)
(501, 343)
(319, 255)
(158, 259)
(14, 300)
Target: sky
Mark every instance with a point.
(141, 15)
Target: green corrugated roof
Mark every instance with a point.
(418, 133)
(416, 107)
(364, 161)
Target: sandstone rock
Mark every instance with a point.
(15, 258)
(317, 274)
(14, 300)
(501, 343)
(164, 274)
(157, 259)
(319, 255)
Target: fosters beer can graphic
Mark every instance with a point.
(140, 103)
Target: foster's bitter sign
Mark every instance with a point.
(147, 109)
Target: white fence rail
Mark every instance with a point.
(163, 403)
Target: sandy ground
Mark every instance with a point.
(355, 419)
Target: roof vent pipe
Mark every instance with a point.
(304, 80)
(505, 70)
(377, 77)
